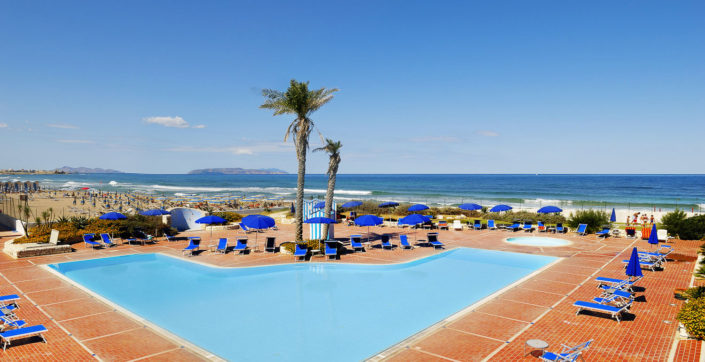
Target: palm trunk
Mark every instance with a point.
(301, 156)
(332, 171)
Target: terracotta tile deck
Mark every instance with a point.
(83, 328)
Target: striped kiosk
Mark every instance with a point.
(316, 230)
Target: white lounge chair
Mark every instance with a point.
(457, 225)
(662, 235)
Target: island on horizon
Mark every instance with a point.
(237, 171)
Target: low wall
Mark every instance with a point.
(11, 223)
(34, 249)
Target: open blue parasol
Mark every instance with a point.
(113, 216)
(155, 212)
(350, 204)
(499, 208)
(413, 219)
(368, 220)
(418, 207)
(549, 210)
(470, 207)
(388, 204)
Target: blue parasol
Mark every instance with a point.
(499, 208)
(319, 205)
(258, 221)
(418, 207)
(470, 207)
(368, 220)
(633, 267)
(388, 204)
(413, 219)
(350, 204)
(113, 216)
(653, 237)
(155, 212)
(613, 217)
(549, 210)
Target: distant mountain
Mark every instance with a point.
(68, 169)
(237, 171)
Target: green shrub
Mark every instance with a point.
(510, 216)
(594, 219)
(311, 244)
(230, 216)
(673, 221)
(695, 292)
(692, 228)
(692, 315)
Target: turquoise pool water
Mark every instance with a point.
(300, 312)
(538, 241)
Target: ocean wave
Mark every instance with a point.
(340, 192)
(113, 183)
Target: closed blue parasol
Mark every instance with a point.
(613, 217)
(113, 216)
(388, 204)
(155, 212)
(653, 237)
(633, 267)
(499, 208)
(418, 207)
(350, 204)
(319, 220)
(549, 210)
(368, 220)
(470, 207)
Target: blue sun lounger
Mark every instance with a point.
(386, 244)
(615, 296)
(604, 233)
(244, 228)
(567, 354)
(11, 320)
(433, 240)
(8, 336)
(624, 284)
(645, 264)
(404, 242)
(300, 251)
(331, 249)
(356, 243)
(241, 246)
(88, 241)
(193, 244)
(7, 300)
(541, 226)
(491, 225)
(514, 227)
(582, 229)
(528, 227)
(222, 246)
(614, 312)
(107, 240)
(560, 228)
(477, 225)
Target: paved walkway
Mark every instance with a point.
(82, 328)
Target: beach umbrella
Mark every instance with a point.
(113, 216)
(368, 220)
(633, 267)
(413, 219)
(319, 220)
(292, 209)
(418, 207)
(319, 205)
(653, 237)
(388, 204)
(549, 210)
(613, 217)
(350, 204)
(155, 212)
(211, 220)
(257, 221)
(500, 208)
(470, 207)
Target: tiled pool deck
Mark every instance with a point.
(83, 328)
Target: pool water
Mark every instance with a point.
(538, 241)
(305, 311)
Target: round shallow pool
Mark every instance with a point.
(538, 241)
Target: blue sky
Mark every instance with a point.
(425, 87)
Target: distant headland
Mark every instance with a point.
(238, 171)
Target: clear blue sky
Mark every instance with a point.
(425, 86)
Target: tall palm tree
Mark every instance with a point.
(333, 149)
(301, 101)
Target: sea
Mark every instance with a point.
(520, 191)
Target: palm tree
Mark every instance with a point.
(333, 149)
(301, 101)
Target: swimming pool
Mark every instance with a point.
(538, 241)
(297, 312)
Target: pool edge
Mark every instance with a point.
(401, 345)
(183, 343)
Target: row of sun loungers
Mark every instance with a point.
(13, 328)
